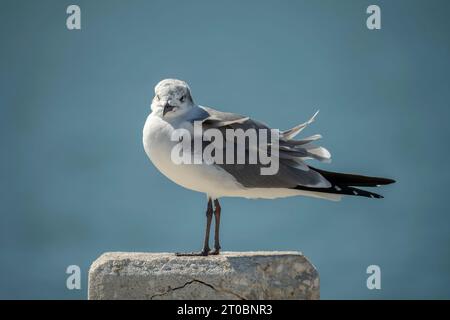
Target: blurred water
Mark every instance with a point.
(75, 181)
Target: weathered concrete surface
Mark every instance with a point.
(230, 275)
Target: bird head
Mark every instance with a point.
(172, 98)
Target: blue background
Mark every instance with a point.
(75, 181)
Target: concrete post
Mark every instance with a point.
(230, 275)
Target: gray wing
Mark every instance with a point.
(292, 172)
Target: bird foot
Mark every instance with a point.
(203, 253)
(215, 252)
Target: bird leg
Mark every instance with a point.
(217, 210)
(209, 213)
(206, 249)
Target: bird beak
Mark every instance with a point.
(167, 108)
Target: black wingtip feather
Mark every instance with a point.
(344, 183)
(347, 179)
(344, 190)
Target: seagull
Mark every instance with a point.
(173, 108)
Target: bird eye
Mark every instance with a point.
(182, 98)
